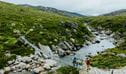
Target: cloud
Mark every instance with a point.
(90, 7)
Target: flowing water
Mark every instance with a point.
(105, 43)
(92, 49)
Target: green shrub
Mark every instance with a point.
(68, 70)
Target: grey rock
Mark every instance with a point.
(66, 46)
(49, 63)
(46, 51)
(26, 59)
(21, 65)
(2, 71)
(7, 69)
(10, 62)
(63, 46)
(38, 70)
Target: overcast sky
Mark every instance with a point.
(88, 7)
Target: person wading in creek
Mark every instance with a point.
(88, 63)
(74, 62)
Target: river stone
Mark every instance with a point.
(18, 59)
(46, 67)
(38, 70)
(21, 65)
(43, 73)
(10, 62)
(49, 63)
(28, 66)
(68, 45)
(26, 59)
(41, 60)
(60, 52)
(47, 52)
(13, 68)
(16, 62)
(2, 71)
(62, 45)
(68, 52)
(7, 69)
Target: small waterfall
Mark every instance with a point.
(41, 51)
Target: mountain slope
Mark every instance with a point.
(121, 12)
(54, 10)
(38, 27)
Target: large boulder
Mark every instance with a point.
(49, 64)
(46, 51)
(2, 71)
(21, 65)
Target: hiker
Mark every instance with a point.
(74, 62)
(88, 63)
(112, 72)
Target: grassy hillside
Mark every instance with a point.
(38, 26)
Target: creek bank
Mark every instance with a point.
(106, 59)
(42, 61)
(53, 52)
(91, 48)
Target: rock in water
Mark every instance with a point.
(49, 63)
(46, 51)
(97, 41)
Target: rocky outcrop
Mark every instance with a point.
(46, 51)
(41, 51)
(67, 46)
